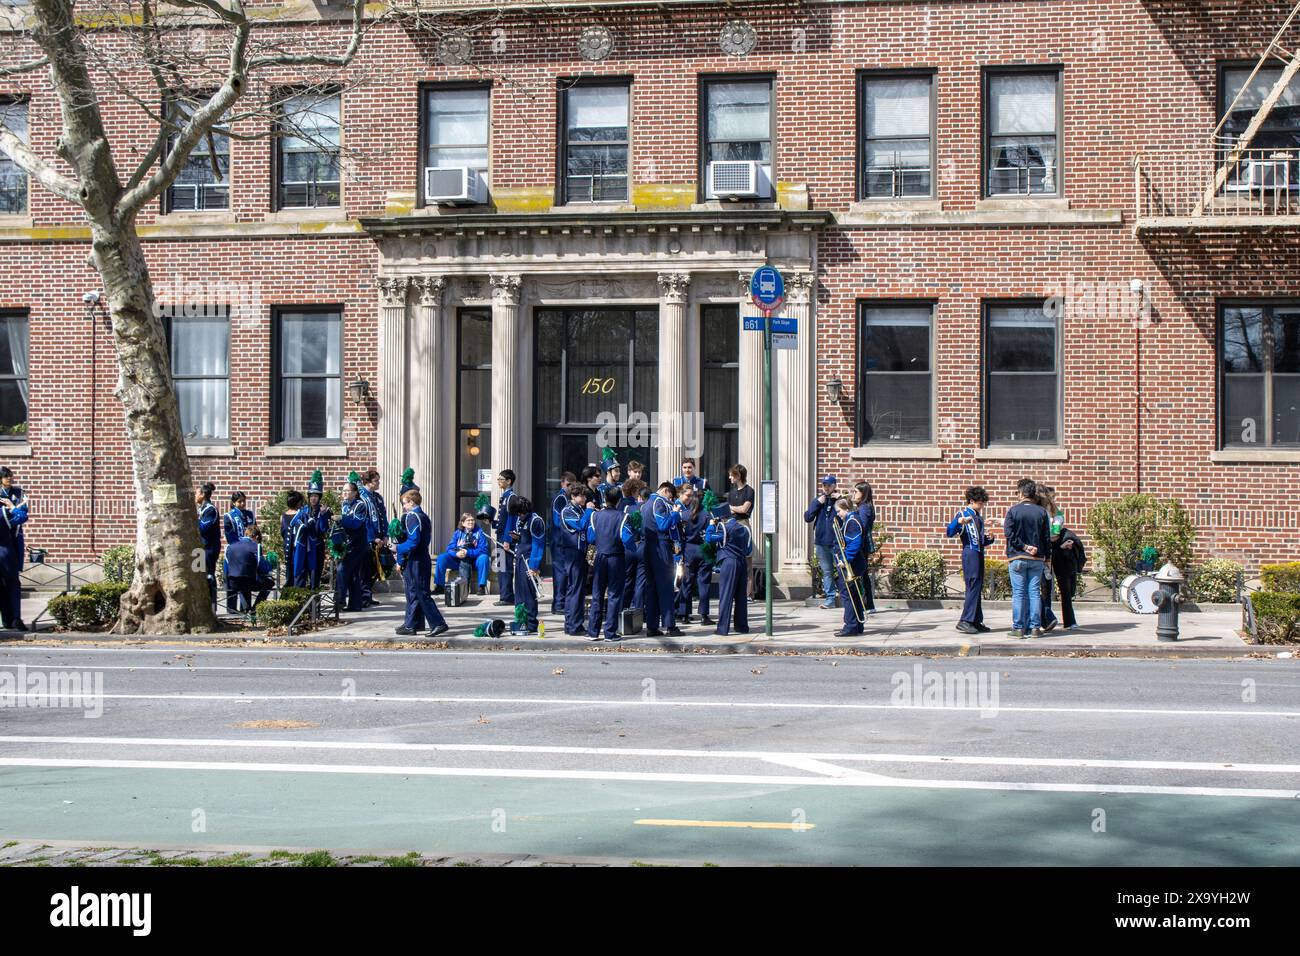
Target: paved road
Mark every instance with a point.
(660, 756)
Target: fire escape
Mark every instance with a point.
(1231, 182)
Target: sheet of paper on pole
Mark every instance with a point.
(485, 479)
(770, 504)
(164, 494)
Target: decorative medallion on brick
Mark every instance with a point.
(454, 50)
(596, 43)
(738, 38)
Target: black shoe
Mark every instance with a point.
(675, 631)
(404, 631)
(371, 603)
(686, 619)
(707, 621)
(439, 589)
(482, 590)
(651, 633)
(966, 628)
(500, 603)
(1050, 625)
(846, 633)
(983, 628)
(20, 625)
(435, 631)
(1038, 632)
(594, 637)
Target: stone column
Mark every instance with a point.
(751, 411)
(507, 369)
(392, 383)
(795, 428)
(433, 414)
(674, 377)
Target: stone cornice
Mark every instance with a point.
(629, 223)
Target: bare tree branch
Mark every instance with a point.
(37, 168)
(24, 67)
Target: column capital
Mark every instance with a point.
(742, 278)
(429, 289)
(674, 286)
(799, 287)
(506, 287)
(392, 290)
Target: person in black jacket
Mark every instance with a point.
(1068, 560)
(1028, 533)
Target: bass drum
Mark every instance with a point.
(1139, 592)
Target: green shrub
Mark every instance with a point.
(1121, 528)
(276, 613)
(917, 575)
(997, 580)
(880, 537)
(1277, 616)
(1215, 581)
(119, 564)
(1281, 577)
(75, 612)
(268, 516)
(107, 597)
(298, 596)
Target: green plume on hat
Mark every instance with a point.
(709, 552)
(482, 501)
(272, 558)
(481, 630)
(634, 520)
(606, 454)
(354, 477)
(395, 528)
(710, 500)
(521, 614)
(408, 476)
(315, 478)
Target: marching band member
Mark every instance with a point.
(660, 522)
(353, 519)
(528, 539)
(563, 550)
(694, 520)
(862, 499)
(249, 570)
(633, 497)
(613, 532)
(969, 523)
(503, 525)
(733, 546)
(209, 535)
(14, 511)
(688, 478)
(613, 472)
(575, 520)
(851, 527)
(468, 548)
(288, 532)
(376, 532)
(414, 559)
(233, 524)
(310, 530)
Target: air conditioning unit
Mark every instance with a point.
(735, 179)
(454, 186)
(1262, 175)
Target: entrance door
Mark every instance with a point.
(597, 378)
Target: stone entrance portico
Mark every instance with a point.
(431, 266)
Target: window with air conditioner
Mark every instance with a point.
(455, 137)
(1022, 133)
(204, 181)
(13, 180)
(596, 143)
(736, 137)
(1271, 162)
(897, 136)
(308, 140)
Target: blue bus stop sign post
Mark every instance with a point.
(767, 291)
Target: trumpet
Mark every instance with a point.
(852, 583)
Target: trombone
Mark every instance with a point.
(852, 583)
(534, 578)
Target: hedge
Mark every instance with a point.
(997, 579)
(1277, 616)
(1281, 577)
(75, 612)
(277, 613)
(917, 575)
(119, 564)
(1215, 581)
(107, 597)
(1121, 528)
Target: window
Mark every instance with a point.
(456, 128)
(200, 356)
(309, 388)
(204, 180)
(737, 120)
(1280, 133)
(474, 401)
(13, 181)
(13, 375)
(1259, 370)
(896, 120)
(595, 143)
(307, 148)
(720, 392)
(1022, 366)
(895, 383)
(1022, 119)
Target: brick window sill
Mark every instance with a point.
(1262, 456)
(883, 450)
(207, 217)
(210, 450)
(1021, 453)
(308, 214)
(11, 220)
(305, 451)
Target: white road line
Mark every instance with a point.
(851, 780)
(827, 769)
(181, 666)
(772, 756)
(14, 699)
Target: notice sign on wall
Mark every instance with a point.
(164, 494)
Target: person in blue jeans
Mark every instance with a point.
(1028, 532)
(821, 515)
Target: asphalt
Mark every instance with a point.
(707, 758)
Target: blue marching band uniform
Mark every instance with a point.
(856, 529)
(528, 547)
(734, 545)
(475, 546)
(417, 565)
(309, 533)
(233, 525)
(210, 535)
(661, 523)
(565, 553)
(615, 541)
(574, 523)
(13, 515)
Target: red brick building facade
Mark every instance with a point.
(954, 178)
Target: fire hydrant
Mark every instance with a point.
(1167, 599)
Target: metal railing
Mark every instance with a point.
(43, 575)
(1179, 188)
(320, 604)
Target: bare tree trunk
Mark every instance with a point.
(169, 594)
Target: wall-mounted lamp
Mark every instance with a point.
(359, 391)
(471, 443)
(835, 390)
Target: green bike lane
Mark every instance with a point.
(697, 821)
